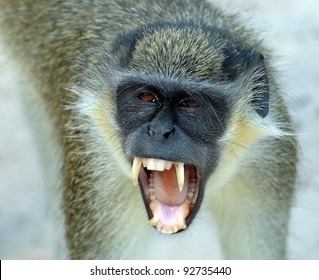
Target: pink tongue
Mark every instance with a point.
(166, 187)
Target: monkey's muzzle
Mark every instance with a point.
(170, 191)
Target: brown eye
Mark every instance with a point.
(146, 96)
(190, 103)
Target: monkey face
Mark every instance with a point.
(170, 133)
(174, 98)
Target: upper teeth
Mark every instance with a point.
(179, 167)
(158, 165)
(136, 169)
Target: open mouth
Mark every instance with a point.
(170, 191)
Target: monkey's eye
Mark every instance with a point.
(189, 103)
(147, 96)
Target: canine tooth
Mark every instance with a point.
(179, 167)
(181, 223)
(154, 220)
(159, 227)
(177, 228)
(137, 163)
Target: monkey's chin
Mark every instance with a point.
(170, 191)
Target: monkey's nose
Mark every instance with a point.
(161, 133)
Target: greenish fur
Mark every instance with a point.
(60, 42)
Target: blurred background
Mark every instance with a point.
(289, 27)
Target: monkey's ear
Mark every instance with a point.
(260, 98)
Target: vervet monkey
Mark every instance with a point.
(170, 122)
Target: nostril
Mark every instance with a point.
(151, 132)
(169, 134)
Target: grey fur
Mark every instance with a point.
(76, 53)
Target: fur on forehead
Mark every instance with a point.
(184, 49)
(182, 52)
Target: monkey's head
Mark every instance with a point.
(180, 93)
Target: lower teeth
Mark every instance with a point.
(151, 187)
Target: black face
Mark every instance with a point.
(166, 120)
(172, 109)
(171, 123)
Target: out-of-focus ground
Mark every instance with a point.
(290, 28)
